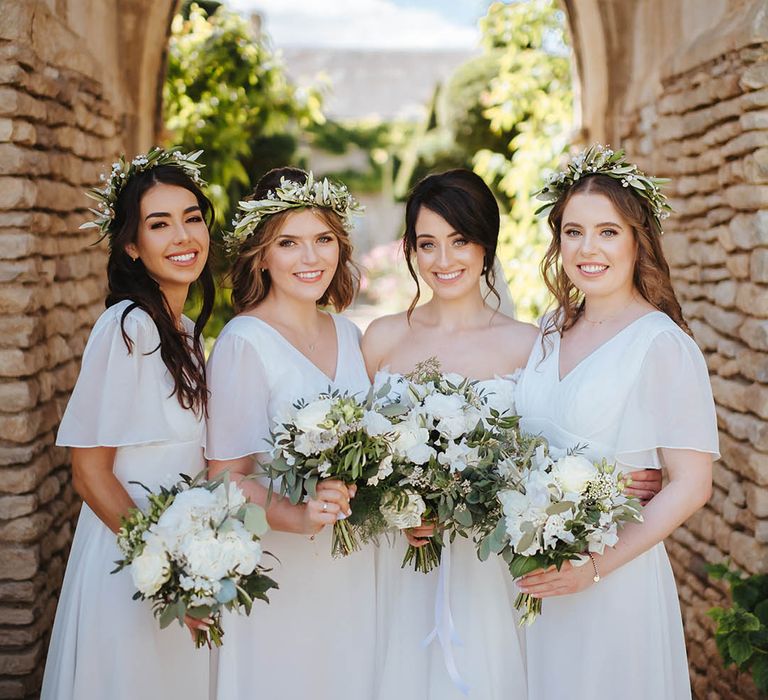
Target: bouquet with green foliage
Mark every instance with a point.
(335, 436)
(554, 511)
(194, 551)
(448, 437)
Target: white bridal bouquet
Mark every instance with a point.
(335, 436)
(448, 437)
(554, 511)
(194, 551)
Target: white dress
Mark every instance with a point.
(646, 388)
(488, 648)
(315, 639)
(104, 644)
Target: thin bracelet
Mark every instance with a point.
(596, 577)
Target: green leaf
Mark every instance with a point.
(255, 520)
(484, 550)
(745, 594)
(199, 612)
(168, 615)
(561, 507)
(526, 540)
(463, 517)
(760, 672)
(740, 648)
(520, 566)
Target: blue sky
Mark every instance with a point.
(375, 24)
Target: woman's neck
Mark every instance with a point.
(610, 307)
(463, 313)
(297, 314)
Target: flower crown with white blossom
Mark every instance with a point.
(291, 195)
(122, 171)
(602, 160)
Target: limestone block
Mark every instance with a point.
(744, 143)
(18, 563)
(757, 500)
(738, 265)
(27, 270)
(753, 100)
(756, 397)
(747, 196)
(14, 103)
(21, 662)
(17, 506)
(18, 298)
(747, 553)
(19, 331)
(48, 490)
(16, 244)
(727, 322)
(56, 195)
(18, 132)
(17, 363)
(752, 299)
(753, 121)
(18, 396)
(754, 365)
(758, 265)
(754, 333)
(730, 393)
(20, 454)
(741, 458)
(756, 166)
(725, 293)
(755, 77)
(17, 192)
(17, 616)
(676, 249)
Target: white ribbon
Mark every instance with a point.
(444, 629)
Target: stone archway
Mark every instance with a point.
(682, 87)
(79, 82)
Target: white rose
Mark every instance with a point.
(405, 516)
(312, 415)
(385, 469)
(204, 556)
(376, 424)
(501, 396)
(458, 456)
(441, 406)
(420, 453)
(573, 472)
(408, 435)
(151, 569)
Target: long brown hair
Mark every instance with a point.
(651, 275)
(130, 280)
(251, 284)
(462, 198)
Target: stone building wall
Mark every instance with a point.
(686, 94)
(78, 83)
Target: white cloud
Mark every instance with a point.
(348, 24)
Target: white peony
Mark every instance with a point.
(407, 436)
(310, 417)
(573, 472)
(204, 556)
(501, 396)
(458, 456)
(376, 424)
(420, 453)
(408, 515)
(442, 406)
(151, 569)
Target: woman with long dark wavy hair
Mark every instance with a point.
(136, 415)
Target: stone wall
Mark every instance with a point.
(78, 83)
(696, 110)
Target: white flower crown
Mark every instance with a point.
(291, 195)
(601, 160)
(122, 171)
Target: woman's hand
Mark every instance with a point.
(546, 583)
(419, 536)
(332, 498)
(194, 625)
(644, 484)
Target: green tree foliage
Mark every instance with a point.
(506, 114)
(227, 93)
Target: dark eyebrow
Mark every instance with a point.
(602, 223)
(162, 214)
(431, 235)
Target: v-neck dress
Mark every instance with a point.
(645, 389)
(315, 639)
(488, 647)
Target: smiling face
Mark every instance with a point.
(597, 246)
(172, 239)
(449, 263)
(303, 258)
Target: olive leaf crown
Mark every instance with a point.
(291, 195)
(602, 160)
(121, 173)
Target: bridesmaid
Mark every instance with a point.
(315, 639)
(451, 229)
(136, 414)
(615, 368)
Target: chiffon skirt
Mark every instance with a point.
(622, 637)
(106, 645)
(488, 648)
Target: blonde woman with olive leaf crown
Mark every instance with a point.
(316, 638)
(616, 370)
(135, 415)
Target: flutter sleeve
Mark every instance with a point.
(670, 405)
(121, 394)
(238, 419)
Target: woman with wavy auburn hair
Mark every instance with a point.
(292, 258)
(615, 371)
